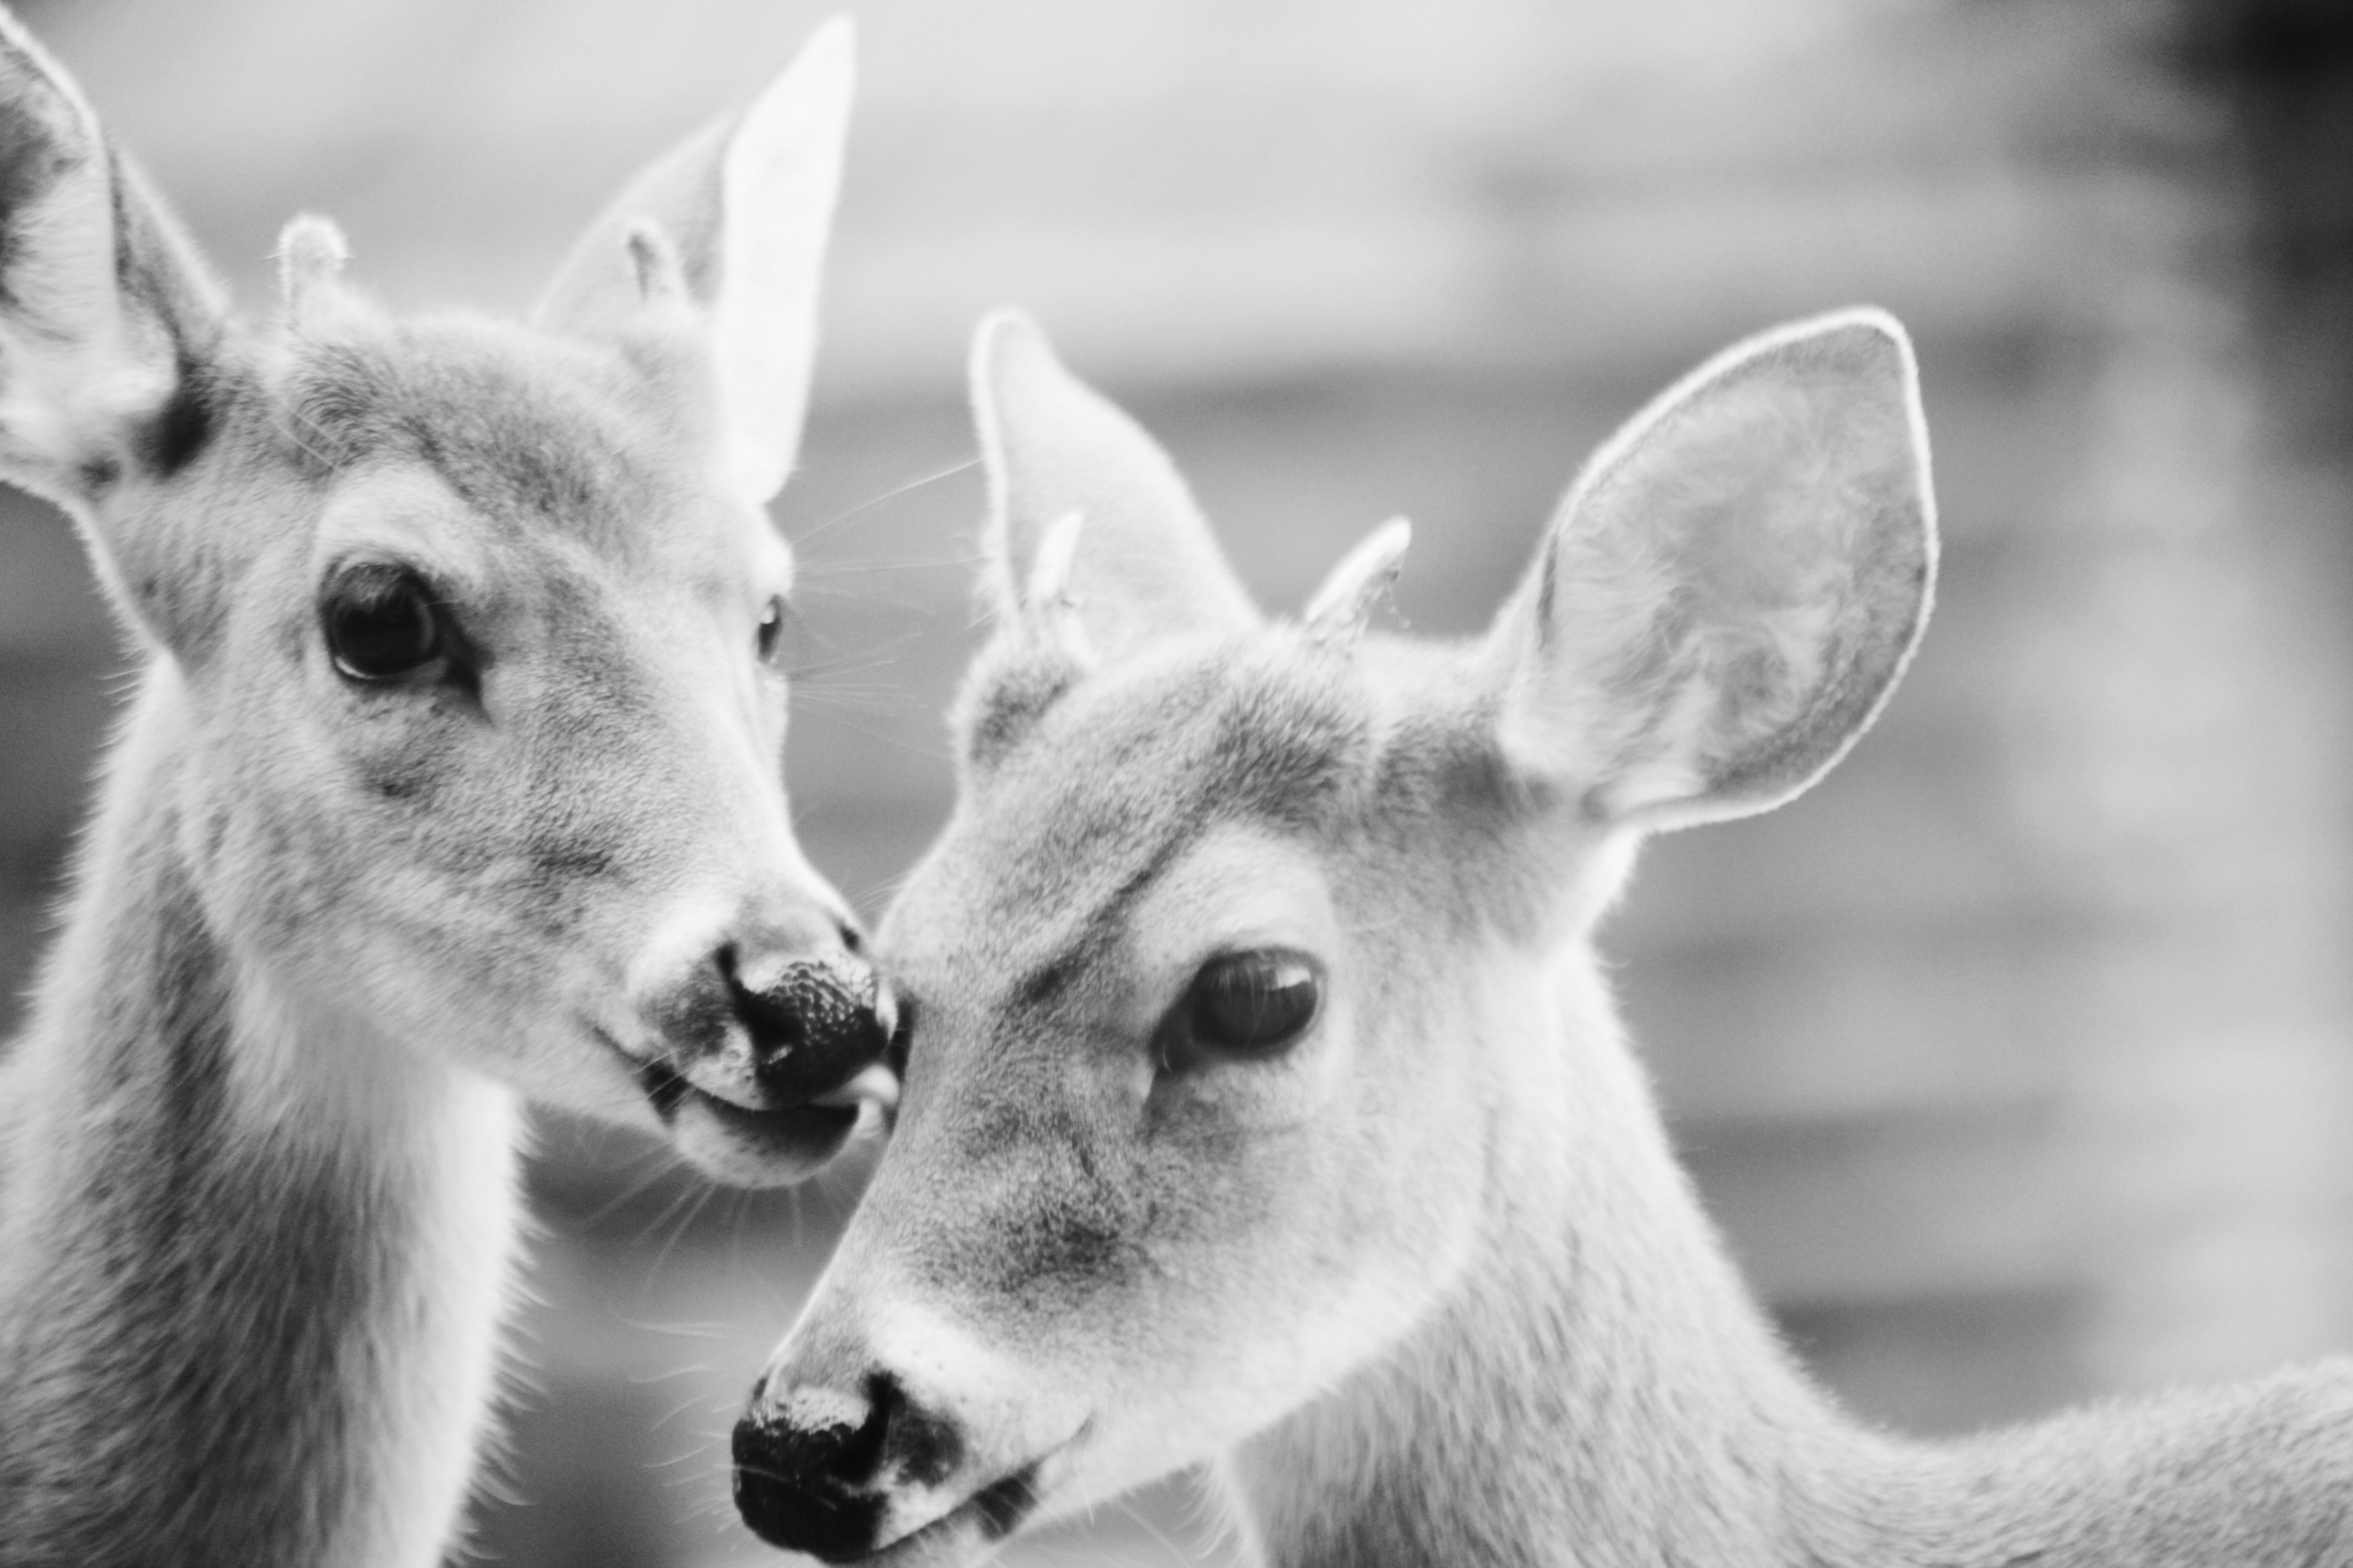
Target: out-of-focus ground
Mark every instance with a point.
(2013, 1060)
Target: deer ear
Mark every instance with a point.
(110, 334)
(1733, 586)
(1068, 469)
(107, 318)
(734, 220)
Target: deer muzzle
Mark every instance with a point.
(767, 1051)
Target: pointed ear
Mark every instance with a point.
(1733, 586)
(734, 221)
(1143, 565)
(108, 321)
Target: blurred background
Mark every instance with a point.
(2013, 1059)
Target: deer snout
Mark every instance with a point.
(840, 1475)
(776, 1013)
(873, 1426)
(765, 1043)
(812, 1023)
(806, 1466)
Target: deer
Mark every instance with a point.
(450, 785)
(1264, 1109)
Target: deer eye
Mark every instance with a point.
(772, 629)
(380, 624)
(1251, 1003)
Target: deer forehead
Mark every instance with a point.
(407, 513)
(1118, 772)
(1130, 775)
(535, 438)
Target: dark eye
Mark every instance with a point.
(380, 624)
(772, 629)
(1248, 1004)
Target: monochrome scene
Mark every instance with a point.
(1185, 784)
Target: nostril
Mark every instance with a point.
(820, 1434)
(778, 1028)
(863, 1452)
(802, 1469)
(814, 1025)
(851, 938)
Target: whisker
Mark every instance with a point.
(888, 564)
(883, 893)
(838, 695)
(869, 654)
(677, 1411)
(819, 530)
(925, 608)
(693, 1210)
(934, 752)
(680, 1203)
(886, 708)
(878, 702)
(1143, 1521)
(846, 664)
(673, 1329)
(658, 1164)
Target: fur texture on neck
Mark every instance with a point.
(241, 1322)
(1602, 1391)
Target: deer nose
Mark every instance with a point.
(776, 1013)
(807, 1465)
(814, 1021)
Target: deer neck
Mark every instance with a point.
(1601, 1389)
(244, 1317)
(1595, 1389)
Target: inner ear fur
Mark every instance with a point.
(110, 330)
(1731, 590)
(733, 223)
(106, 315)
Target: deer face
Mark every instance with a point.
(472, 628)
(490, 741)
(1194, 1129)
(1234, 1001)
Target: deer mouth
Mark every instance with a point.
(753, 1145)
(971, 1529)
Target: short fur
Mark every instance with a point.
(258, 1143)
(1426, 1283)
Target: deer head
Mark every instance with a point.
(1237, 979)
(465, 687)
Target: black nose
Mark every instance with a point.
(805, 1468)
(815, 1022)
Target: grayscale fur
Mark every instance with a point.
(259, 1139)
(1427, 1287)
